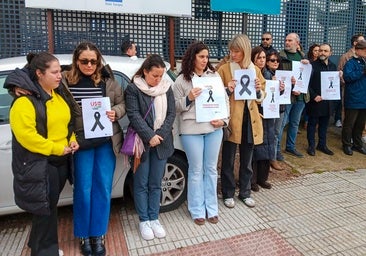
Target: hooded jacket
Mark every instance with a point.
(30, 182)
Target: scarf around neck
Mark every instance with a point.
(160, 100)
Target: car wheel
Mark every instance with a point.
(174, 183)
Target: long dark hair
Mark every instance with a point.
(310, 52)
(189, 58)
(154, 60)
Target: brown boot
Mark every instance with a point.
(276, 165)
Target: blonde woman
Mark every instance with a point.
(245, 124)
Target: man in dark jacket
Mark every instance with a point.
(354, 101)
(267, 41)
(318, 110)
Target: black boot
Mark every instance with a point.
(98, 247)
(85, 247)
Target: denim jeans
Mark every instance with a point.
(202, 151)
(147, 186)
(292, 118)
(278, 133)
(93, 176)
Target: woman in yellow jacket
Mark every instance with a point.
(245, 124)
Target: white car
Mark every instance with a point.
(175, 176)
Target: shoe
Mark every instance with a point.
(146, 231)
(325, 150)
(157, 228)
(229, 202)
(294, 152)
(276, 165)
(347, 150)
(361, 150)
(199, 221)
(213, 219)
(60, 252)
(280, 156)
(97, 244)
(248, 201)
(311, 151)
(364, 139)
(85, 246)
(254, 187)
(265, 185)
(338, 123)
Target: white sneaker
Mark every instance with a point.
(364, 139)
(157, 228)
(229, 202)
(338, 123)
(60, 253)
(249, 202)
(146, 231)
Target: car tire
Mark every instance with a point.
(174, 183)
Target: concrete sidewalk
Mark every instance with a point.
(314, 214)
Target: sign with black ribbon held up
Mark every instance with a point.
(245, 84)
(95, 119)
(212, 103)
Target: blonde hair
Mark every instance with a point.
(242, 43)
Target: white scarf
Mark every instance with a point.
(160, 99)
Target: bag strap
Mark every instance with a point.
(150, 106)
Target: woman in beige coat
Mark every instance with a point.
(245, 124)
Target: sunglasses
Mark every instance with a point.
(274, 60)
(266, 39)
(86, 62)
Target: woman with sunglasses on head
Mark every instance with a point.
(95, 161)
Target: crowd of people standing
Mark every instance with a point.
(152, 104)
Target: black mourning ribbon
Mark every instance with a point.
(245, 85)
(97, 122)
(331, 84)
(210, 98)
(272, 100)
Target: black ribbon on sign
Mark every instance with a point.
(210, 98)
(244, 85)
(272, 100)
(331, 84)
(300, 76)
(97, 122)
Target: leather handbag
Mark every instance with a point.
(132, 142)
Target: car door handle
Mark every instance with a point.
(6, 145)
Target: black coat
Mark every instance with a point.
(321, 108)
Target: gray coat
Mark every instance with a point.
(137, 104)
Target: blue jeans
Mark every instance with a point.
(278, 133)
(292, 118)
(93, 178)
(147, 186)
(202, 151)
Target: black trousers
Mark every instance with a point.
(43, 239)
(260, 171)
(227, 169)
(322, 122)
(353, 125)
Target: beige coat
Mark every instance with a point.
(237, 108)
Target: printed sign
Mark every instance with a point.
(96, 122)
